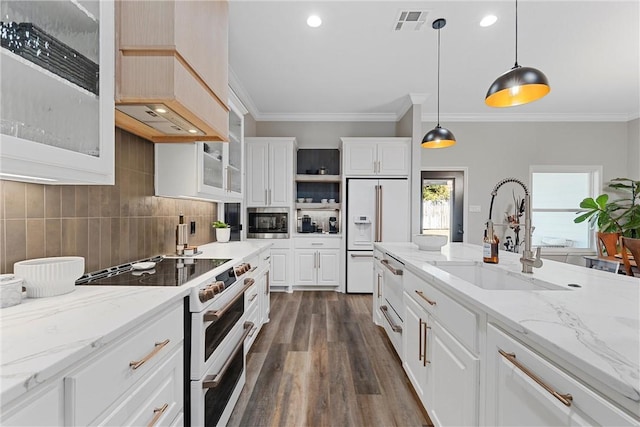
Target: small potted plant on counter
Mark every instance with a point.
(223, 231)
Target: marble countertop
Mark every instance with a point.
(42, 337)
(594, 330)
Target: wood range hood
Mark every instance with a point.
(172, 78)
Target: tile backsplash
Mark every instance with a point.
(106, 224)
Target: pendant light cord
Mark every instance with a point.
(438, 78)
(516, 65)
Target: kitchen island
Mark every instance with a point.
(44, 339)
(586, 322)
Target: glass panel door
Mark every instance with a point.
(442, 204)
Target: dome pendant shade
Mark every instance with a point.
(519, 85)
(438, 137)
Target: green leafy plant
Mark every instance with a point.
(621, 215)
(220, 224)
(436, 193)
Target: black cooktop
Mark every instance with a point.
(166, 272)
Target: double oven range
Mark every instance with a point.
(214, 323)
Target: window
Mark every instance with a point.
(556, 193)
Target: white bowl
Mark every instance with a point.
(300, 199)
(430, 242)
(47, 277)
(308, 200)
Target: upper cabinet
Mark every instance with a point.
(172, 72)
(209, 170)
(376, 156)
(57, 109)
(270, 165)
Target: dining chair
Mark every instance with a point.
(633, 246)
(607, 242)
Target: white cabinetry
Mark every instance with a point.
(209, 170)
(281, 264)
(378, 286)
(444, 373)
(317, 262)
(55, 129)
(42, 408)
(376, 156)
(270, 166)
(524, 388)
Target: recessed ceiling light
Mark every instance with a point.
(160, 110)
(488, 20)
(314, 21)
(193, 131)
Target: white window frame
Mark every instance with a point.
(595, 189)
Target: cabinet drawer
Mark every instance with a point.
(164, 386)
(97, 385)
(253, 316)
(39, 408)
(316, 243)
(514, 396)
(458, 320)
(251, 297)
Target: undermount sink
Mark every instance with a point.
(492, 278)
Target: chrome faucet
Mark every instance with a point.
(528, 260)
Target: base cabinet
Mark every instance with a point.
(514, 398)
(280, 268)
(317, 267)
(443, 373)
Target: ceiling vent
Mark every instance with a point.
(410, 20)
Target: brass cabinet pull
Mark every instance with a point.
(157, 413)
(228, 179)
(421, 295)
(266, 288)
(318, 259)
(213, 381)
(394, 327)
(253, 269)
(566, 399)
(253, 331)
(395, 271)
(361, 256)
(212, 316)
(420, 354)
(254, 296)
(158, 346)
(424, 343)
(379, 291)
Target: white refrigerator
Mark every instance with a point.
(378, 210)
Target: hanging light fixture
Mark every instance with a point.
(438, 137)
(520, 85)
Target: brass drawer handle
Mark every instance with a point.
(421, 295)
(394, 327)
(157, 413)
(158, 346)
(213, 381)
(215, 315)
(253, 297)
(566, 399)
(395, 271)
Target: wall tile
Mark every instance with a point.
(94, 203)
(105, 243)
(52, 237)
(115, 241)
(52, 201)
(68, 198)
(82, 237)
(82, 201)
(92, 260)
(2, 199)
(125, 241)
(35, 201)
(35, 238)
(68, 237)
(16, 242)
(15, 199)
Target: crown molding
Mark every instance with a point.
(328, 117)
(242, 94)
(531, 117)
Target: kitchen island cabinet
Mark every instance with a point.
(567, 336)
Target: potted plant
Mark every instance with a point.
(223, 231)
(617, 216)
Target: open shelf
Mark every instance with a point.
(325, 206)
(318, 178)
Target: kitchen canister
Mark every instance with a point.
(48, 277)
(10, 290)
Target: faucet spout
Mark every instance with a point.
(528, 259)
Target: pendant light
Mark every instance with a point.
(438, 137)
(520, 85)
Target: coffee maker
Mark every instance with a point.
(306, 224)
(333, 225)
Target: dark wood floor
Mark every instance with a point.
(322, 362)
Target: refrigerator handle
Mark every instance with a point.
(380, 219)
(375, 224)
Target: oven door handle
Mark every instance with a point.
(215, 315)
(213, 381)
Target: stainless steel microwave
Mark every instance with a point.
(268, 223)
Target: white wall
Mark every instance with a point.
(324, 134)
(633, 157)
(493, 151)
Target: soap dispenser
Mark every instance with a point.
(490, 245)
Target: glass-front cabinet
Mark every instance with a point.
(204, 170)
(57, 108)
